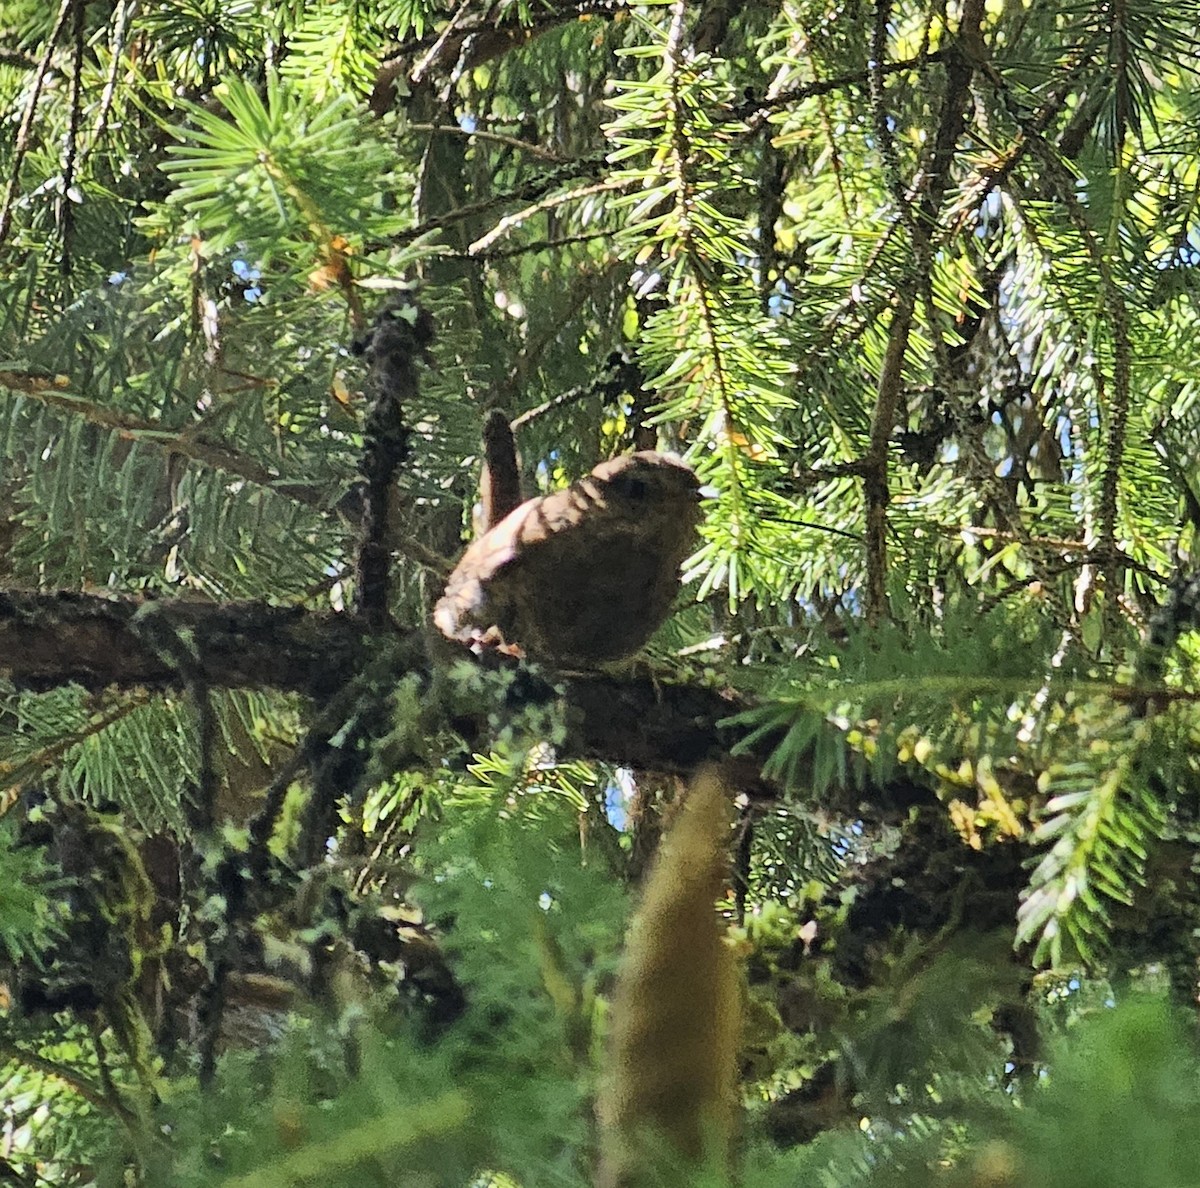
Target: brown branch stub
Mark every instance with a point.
(500, 482)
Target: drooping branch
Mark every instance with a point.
(191, 443)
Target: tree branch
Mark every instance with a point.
(50, 640)
(189, 442)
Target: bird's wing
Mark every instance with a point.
(476, 593)
(527, 532)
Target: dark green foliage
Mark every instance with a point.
(28, 918)
(1127, 1079)
(911, 285)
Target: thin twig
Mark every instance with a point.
(875, 461)
(1117, 408)
(755, 111)
(89, 1091)
(535, 150)
(550, 202)
(541, 245)
(579, 392)
(1045, 542)
(857, 537)
(21, 145)
(52, 392)
(548, 18)
(430, 57)
(124, 13)
(66, 198)
(14, 771)
(509, 391)
(1000, 167)
(531, 188)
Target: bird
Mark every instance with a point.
(582, 576)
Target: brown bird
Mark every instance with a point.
(584, 575)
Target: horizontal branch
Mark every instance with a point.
(51, 640)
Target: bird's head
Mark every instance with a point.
(650, 479)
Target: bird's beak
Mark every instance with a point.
(708, 491)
